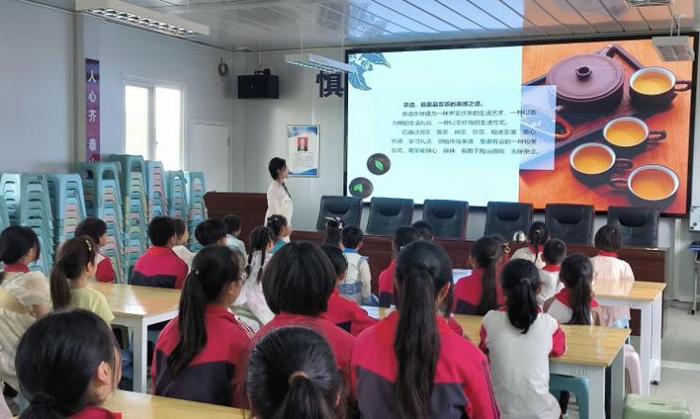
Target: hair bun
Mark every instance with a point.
(297, 375)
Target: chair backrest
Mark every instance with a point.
(639, 226)
(448, 219)
(388, 214)
(569, 222)
(505, 218)
(348, 208)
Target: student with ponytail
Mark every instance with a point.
(575, 303)
(519, 340)
(261, 242)
(537, 236)
(334, 227)
(292, 374)
(481, 291)
(403, 237)
(411, 365)
(68, 364)
(71, 275)
(96, 229)
(199, 352)
(280, 230)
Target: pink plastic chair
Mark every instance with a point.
(634, 369)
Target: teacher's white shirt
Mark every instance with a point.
(279, 202)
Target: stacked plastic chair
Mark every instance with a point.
(27, 202)
(196, 188)
(156, 193)
(176, 187)
(103, 200)
(67, 204)
(4, 218)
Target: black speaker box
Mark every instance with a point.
(258, 86)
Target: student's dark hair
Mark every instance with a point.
(276, 164)
(57, 358)
(91, 227)
(292, 374)
(487, 253)
(73, 259)
(276, 223)
(554, 252)
(537, 236)
(577, 275)
(521, 282)
(15, 243)
(425, 230)
(299, 280)
(608, 238)
(213, 269)
(180, 227)
(161, 230)
(404, 236)
(422, 270)
(233, 223)
(337, 258)
(333, 233)
(260, 238)
(352, 236)
(210, 231)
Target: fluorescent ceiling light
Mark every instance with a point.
(141, 17)
(642, 3)
(318, 62)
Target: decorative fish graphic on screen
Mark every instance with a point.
(364, 63)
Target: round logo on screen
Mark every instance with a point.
(378, 164)
(361, 187)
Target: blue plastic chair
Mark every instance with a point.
(576, 385)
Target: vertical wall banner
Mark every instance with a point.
(303, 142)
(92, 110)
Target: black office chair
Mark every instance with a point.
(448, 219)
(388, 214)
(505, 218)
(348, 208)
(639, 225)
(570, 222)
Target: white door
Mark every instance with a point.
(210, 152)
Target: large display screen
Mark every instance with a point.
(598, 123)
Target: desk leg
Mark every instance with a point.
(617, 385)
(655, 367)
(645, 348)
(596, 394)
(140, 357)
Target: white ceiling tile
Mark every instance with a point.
(566, 15)
(537, 15)
(658, 17)
(505, 14)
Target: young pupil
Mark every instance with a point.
(575, 303)
(24, 295)
(160, 266)
(402, 237)
(183, 237)
(425, 231)
(70, 277)
(280, 230)
(519, 340)
(344, 312)
(199, 352)
(481, 291)
(292, 374)
(537, 236)
(211, 231)
(96, 229)
(411, 364)
(261, 242)
(68, 364)
(357, 284)
(334, 228)
(553, 254)
(233, 230)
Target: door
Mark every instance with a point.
(210, 152)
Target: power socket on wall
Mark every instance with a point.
(694, 219)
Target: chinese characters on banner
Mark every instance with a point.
(92, 110)
(330, 84)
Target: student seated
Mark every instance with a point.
(292, 374)
(411, 364)
(211, 231)
(233, 230)
(24, 295)
(68, 364)
(70, 276)
(5, 412)
(402, 237)
(553, 254)
(425, 231)
(481, 291)
(357, 284)
(261, 242)
(298, 283)
(96, 229)
(182, 238)
(280, 231)
(160, 266)
(342, 311)
(537, 236)
(334, 228)
(200, 351)
(575, 303)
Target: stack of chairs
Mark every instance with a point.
(156, 192)
(103, 200)
(67, 204)
(27, 202)
(196, 188)
(176, 185)
(4, 217)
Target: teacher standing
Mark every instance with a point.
(279, 201)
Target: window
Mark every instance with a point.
(153, 123)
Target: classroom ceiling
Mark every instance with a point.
(284, 24)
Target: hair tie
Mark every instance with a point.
(89, 246)
(297, 374)
(42, 399)
(196, 271)
(525, 279)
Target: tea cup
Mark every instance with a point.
(628, 135)
(592, 163)
(649, 184)
(655, 86)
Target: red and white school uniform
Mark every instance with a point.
(531, 254)
(561, 308)
(549, 278)
(105, 271)
(159, 267)
(612, 275)
(94, 412)
(462, 386)
(386, 285)
(468, 293)
(347, 315)
(520, 364)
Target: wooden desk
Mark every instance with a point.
(648, 298)
(137, 308)
(145, 406)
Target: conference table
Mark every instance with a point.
(137, 308)
(144, 406)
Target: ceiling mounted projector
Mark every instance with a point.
(674, 48)
(319, 62)
(642, 3)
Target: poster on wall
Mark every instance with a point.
(92, 110)
(303, 142)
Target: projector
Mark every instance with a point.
(674, 48)
(642, 3)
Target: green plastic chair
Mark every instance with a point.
(641, 407)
